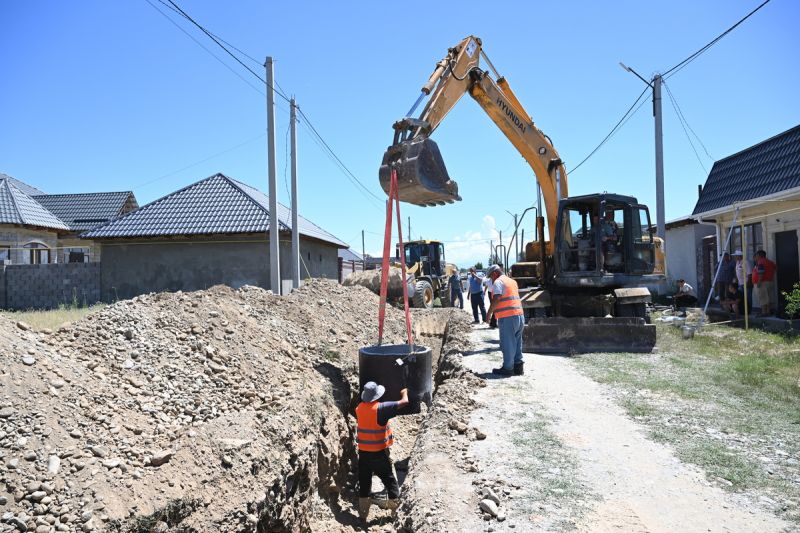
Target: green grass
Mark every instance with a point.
(51, 319)
(724, 400)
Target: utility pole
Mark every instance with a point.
(655, 84)
(274, 228)
(409, 229)
(660, 221)
(295, 229)
(363, 249)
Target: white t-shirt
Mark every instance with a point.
(742, 270)
(686, 289)
(498, 287)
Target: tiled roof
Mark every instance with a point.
(217, 204)
(86, 211)
(349, 255)
(16, 207)
(766, 168)
(21, 185)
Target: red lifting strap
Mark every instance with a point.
(387, 238)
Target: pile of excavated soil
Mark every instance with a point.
(218, 410)
(371, 279)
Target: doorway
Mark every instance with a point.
(786, 257)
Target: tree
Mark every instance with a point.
(478, 266)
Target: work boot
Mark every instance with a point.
(519, 369)
(502, 371)
(389, 504)
(363, 508)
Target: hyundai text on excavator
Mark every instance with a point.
(584, 289)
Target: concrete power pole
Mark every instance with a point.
(274, 228)
(295, 229)
(363, 249)
(655, 84)
(660, 222)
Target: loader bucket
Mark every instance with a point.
(588, 335)
(422, 178)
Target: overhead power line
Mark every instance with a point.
(320, 141)
(347, 171)
(614, 130)
(684, 125)
(674, 70)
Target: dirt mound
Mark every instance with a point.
(218, 410)
(371, 279)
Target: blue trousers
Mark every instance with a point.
(511, 340)
(455, 292)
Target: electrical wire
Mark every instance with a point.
(346, 170)
(680, 119)
(219, 43)
(614, 130)
(681, 115)
(187, 167)
(674, 70)
(314, 132)
(224, 64)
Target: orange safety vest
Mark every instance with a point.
(509, 304)
(372, 437)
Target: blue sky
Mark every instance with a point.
(100, 96)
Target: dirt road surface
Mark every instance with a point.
(570, 458)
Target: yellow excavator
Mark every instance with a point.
(583, 288)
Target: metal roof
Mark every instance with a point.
(16, 207)
(21, 185)
(347, 254)
(217, 204)
(87, 210)
(767, 168)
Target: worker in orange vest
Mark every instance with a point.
(507, 305)
(374, 439)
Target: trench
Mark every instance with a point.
(316, 489)
(431, 330)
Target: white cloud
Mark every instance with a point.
(472, 246)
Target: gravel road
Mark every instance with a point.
(589, 467)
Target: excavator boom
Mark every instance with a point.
(578, 301)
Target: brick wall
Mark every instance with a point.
(48, 286)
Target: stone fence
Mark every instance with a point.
(49, 286)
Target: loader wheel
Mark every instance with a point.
(444, 296)
(423, 295)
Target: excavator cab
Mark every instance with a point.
(603, 239)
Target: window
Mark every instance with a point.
(578, 238)
(76, 255)
(754, 239)
(37, 253)
(5, 254)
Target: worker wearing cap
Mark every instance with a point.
(507, 305)
(374, 439)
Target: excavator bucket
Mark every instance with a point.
(422, 178)
(588, 335)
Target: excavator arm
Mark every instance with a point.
(422, 176)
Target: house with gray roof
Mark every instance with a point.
(82, 212)
(754, 195)
(28, 231)
(211, 232)
(40, 228)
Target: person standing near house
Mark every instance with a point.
(476, 296)
(727, 272)
(454, 281)
(374, 438)
(507, 305)
(763, 277)
(743, 278)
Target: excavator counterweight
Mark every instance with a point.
(422, 177)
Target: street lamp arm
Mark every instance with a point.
(629, 69)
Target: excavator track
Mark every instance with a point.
(588, 335)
